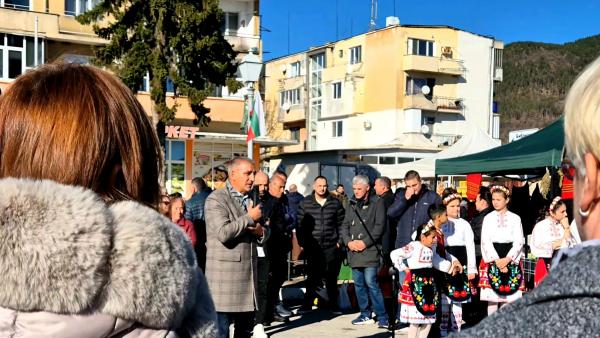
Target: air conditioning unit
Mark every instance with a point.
(446, 50)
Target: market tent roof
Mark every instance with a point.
(529, 155)
(476, 140)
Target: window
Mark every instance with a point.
(401, 160)
(231, 23)
(420, 47)
(369, 159)
(497, 58)
(355, 55)
(317, 63)
(17, 54)
(337, 90)
(16, 4)
(295, 134)
(387, 160)
(337, 128)
(295, 69)
(77, 7)
(414, 85)
(175, 165)
(292, 97)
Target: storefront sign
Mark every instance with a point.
(181, 132)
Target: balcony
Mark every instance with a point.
(243, 42)
(294, 114)
(440, 104)
(436, 65)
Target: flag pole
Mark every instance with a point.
(250, 99)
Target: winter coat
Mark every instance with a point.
(372, 212)
(476, 224)
(411, 213)
(294, 199)
(318, 226)
(388, 239)
(71, 266)
(231, 255)
(565, 304)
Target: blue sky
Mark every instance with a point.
(313, 22)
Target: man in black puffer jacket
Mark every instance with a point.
(320, 216)
(410, 207)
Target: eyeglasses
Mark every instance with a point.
(568, 169)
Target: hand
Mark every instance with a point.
(254, 211)
(360, 245)
(504, 270)
(256, 230)
(557, 244)
(501, 263)
(456, 267)
(472, 276)
(565, 223)
(353, 246)
(409, 193)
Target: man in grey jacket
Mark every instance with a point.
(361, 231)
(232, 235)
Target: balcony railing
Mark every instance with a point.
(430, 64)
(434, 103)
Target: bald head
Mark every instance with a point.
(293, 188)
(276, 186)
(261, 181)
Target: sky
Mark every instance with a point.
(313, 22)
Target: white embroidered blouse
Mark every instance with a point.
(416, 256)
(458, 232)
(504, 227)
(544, 233)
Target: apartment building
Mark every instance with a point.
(385, 97)
(48, 29)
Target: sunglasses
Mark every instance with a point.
(568, 169)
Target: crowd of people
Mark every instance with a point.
(88, 252)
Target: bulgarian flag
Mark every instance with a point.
(256, 118)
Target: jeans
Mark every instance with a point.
(365, 281)
(242, 322)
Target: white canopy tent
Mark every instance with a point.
(473, 142)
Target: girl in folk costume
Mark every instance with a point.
(550, 235)
(500, 272)
(420, 296)
(460, 244)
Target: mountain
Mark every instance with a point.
(537, 77)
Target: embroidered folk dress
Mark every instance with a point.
(415, 256)
(500, 228)
(544, 233)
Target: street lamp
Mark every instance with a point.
(250, 69)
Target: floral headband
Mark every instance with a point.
(554, 202)
(427, 227)
(500, 188)
(451, 197)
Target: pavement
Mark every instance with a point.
(323, 324)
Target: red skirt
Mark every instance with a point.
(541, 270)
(405, 296)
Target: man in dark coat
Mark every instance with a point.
(361, 232)
(410, 207)
(320, 216)
(383, 191)
(294, 198)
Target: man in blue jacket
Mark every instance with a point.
(410, 207)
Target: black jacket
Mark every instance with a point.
(319, 226)
(476, 224)
(388, 239)
(372, 212)
(411, 213)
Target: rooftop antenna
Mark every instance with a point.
(373, 24)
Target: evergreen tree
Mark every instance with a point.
(180, 40)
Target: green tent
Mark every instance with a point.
(530, 155)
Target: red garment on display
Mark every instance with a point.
(473, 184)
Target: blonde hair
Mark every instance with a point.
(582, 108)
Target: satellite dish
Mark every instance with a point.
(425, 90)
(286, 106)
(425, 129)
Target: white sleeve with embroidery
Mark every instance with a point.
(470, 244)
(399, 256)
(517, 239)
(541, 241)
(488, 228)
(442, 264)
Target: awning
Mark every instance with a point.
(530, 155)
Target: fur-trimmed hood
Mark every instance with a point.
(64, 251)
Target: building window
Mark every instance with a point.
(317, 63)
(369, 159)
(295, 134)
(420, 47)
(292, 97)
(355, 55)
(337, 90)
(17, 54)
(77, 7)
(496, 126)
(295, 69)
(16, 4)
(337, 128)
(231, 23)
(387, 160)
(175, 165)
(497, 58)
(414, 85)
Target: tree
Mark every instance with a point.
(176, 40)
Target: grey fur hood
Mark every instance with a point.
(64, 251)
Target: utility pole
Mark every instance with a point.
(373, 24)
